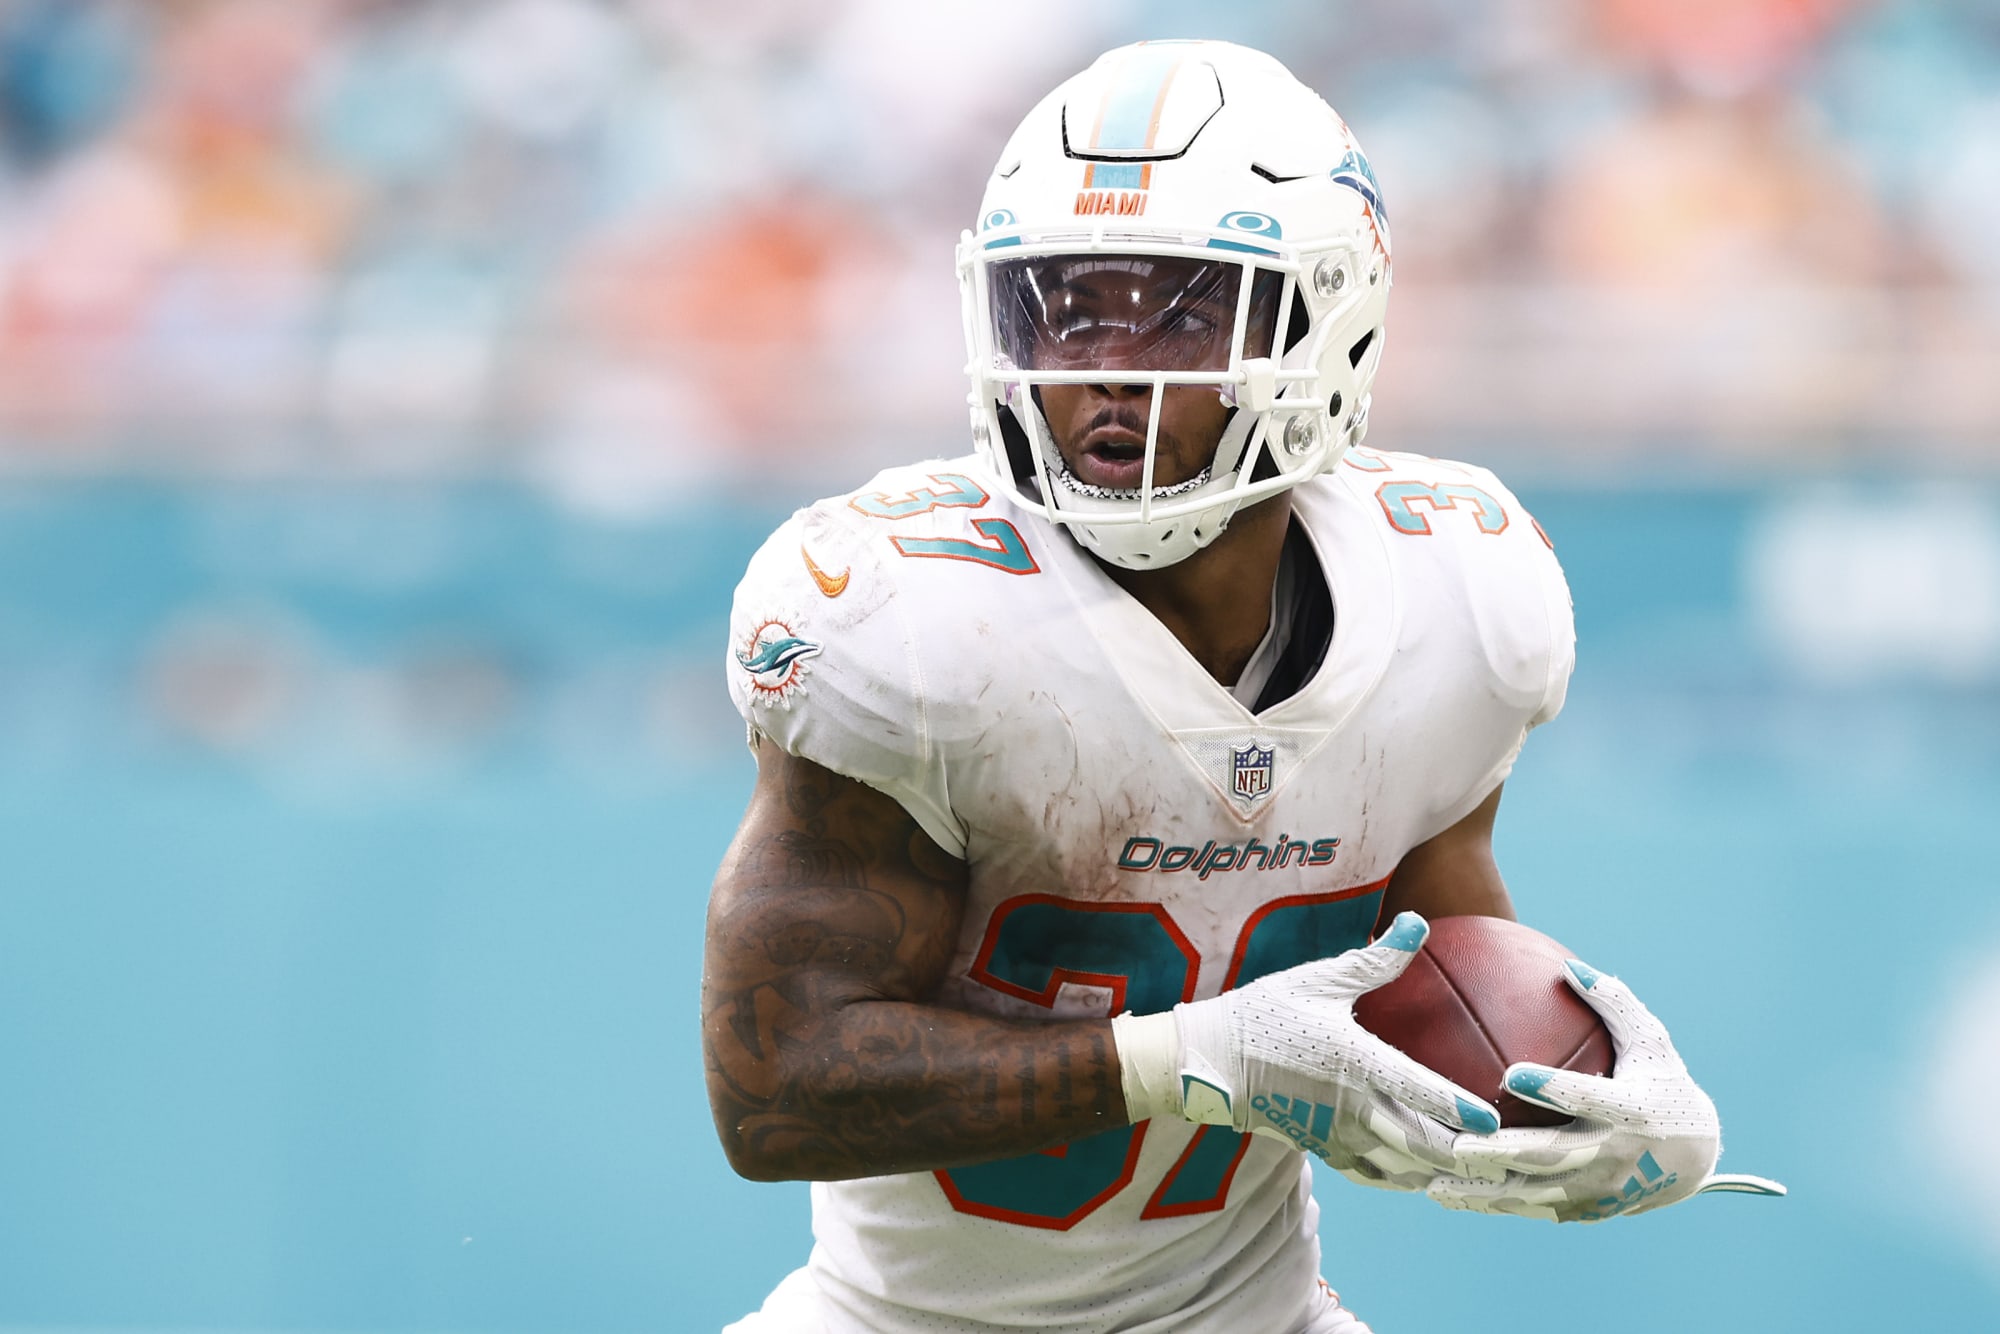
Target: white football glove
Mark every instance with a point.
(1284, 1057)
(1643, 1137)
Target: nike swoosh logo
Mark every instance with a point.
(833, 585)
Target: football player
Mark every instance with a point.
(1100, 770)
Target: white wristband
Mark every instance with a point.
(1149, 1063)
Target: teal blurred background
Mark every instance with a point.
(390, 394)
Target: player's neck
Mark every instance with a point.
(1217, 602)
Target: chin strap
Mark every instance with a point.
(1077, 486)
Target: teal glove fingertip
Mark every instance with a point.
(1585, 975)
(1479, 1120)
(1406, 933)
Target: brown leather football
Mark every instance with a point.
(1482, 994)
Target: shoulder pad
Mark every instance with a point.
(822, 662)
(1483, 543)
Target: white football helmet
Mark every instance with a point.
(1201, 178)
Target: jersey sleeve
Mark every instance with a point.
(823, 663)
(1562, 641)
(1521, 603)
(1557, 647)
(1493, 564)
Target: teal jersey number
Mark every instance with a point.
(1006, 552)
(951, 491)
(1003, 548)
(1400, 499)
(1033, 945)
(1037, 942)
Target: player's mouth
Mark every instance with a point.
(1112, 465)
(1113, 458)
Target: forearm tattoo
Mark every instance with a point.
(833, 921)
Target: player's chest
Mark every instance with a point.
(1165, 868)
(1089, 760)
(1123, 863)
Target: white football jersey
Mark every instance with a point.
(1136, 837)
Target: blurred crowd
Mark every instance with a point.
(616, 246)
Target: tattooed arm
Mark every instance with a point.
(832, 922)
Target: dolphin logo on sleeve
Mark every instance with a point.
(774, 657)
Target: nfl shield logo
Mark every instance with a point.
(1251, 769)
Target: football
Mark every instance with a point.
(1482, 994)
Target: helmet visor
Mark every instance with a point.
(1127, 312)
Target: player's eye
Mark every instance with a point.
(1190, 322)
(1071, 325)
